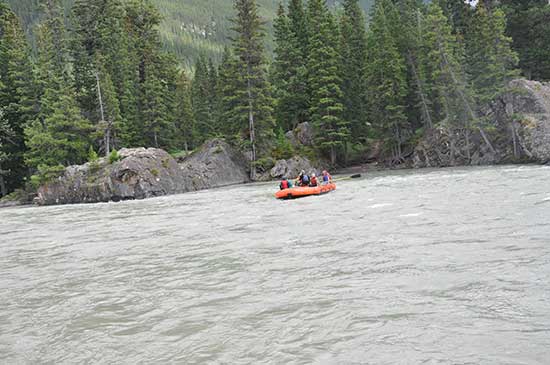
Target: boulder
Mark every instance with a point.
(525, 109)
(215, 164)
(290, 168)
(304, 134)
(519, 132)
(142, 173)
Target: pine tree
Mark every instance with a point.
(17, 94)
(200, 98)
(255, 104)
(281, 70)
(490, 59)
(528, 26)
(353, 54)
(156, 75)
(289, 71)
(231, 85)
(186, 136)
(387, 79)
(59, 136)
(324, 80)
(442, 65)
(6, 140)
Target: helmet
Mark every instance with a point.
(324, 172)
(313, 175)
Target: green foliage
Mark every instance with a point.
(353, 58)
(190, 28)
(252, 108)
(491, 61)
(114, 157)
(283, 148)
(387, 77)
(155, 172)
(17, 97)
(331, 131)
(46, 174)
(528, 26)
(92, 155)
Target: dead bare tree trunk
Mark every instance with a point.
(515, 139)
(107, 137)
(466, 102)
(251, 128)
(3, 190)
(420, 86)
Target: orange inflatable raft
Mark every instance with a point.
(302, 191)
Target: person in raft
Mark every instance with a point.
(285, 184)
(327, 179)
(303, 179)
(313, 181)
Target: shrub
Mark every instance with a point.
(114, 156)
(283, 148)
(155, 172)
(92, 155)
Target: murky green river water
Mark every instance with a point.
(441, 266)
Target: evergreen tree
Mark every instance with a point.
(59, 136)
(387, 79)
(281, 69)
(186, 136)
(156, 75)
(442, 65)
(213, 97)
(17, 94)
(289, 72)
(528, 26)
(201, 98)
(353, 54)
(230, 85)
(255, 105)
(491, 61)
(326, 101)
(6, 140)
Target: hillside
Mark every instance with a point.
(190, 27)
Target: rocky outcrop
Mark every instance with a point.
(142, 173)
(290, 168)
(215, 164)
(519, 131)
(302, 135)
(524, 112)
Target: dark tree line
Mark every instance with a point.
(103, 82)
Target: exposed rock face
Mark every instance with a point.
(215, 164)
(526, 109)
(301, 135)
(290, 168)
(143, 173)
(520, 131)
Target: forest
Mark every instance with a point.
(103, 80)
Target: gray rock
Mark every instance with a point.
(526, 108)
(520, 132)
(304, 134)
(143, 173)
(290, 168)
(216, 164)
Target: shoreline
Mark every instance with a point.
(350, 170)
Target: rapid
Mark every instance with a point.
(429, 266)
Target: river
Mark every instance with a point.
(432, 266)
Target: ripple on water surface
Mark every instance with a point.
(449, 265)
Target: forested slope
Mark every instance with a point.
(189, 27)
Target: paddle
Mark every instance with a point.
(356, 176)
